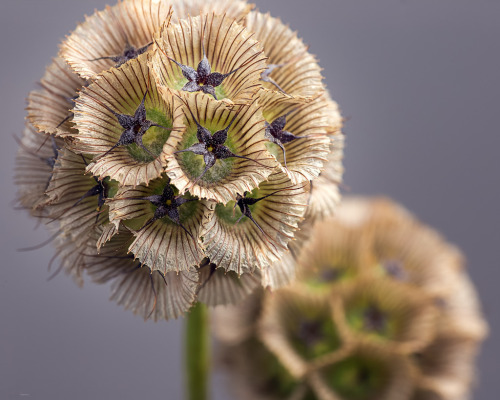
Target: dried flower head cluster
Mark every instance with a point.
(382, 309)
(172, 148)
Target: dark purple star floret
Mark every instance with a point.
(276, 133)
(211, 147)
(202, 79)
(100, 189)
(244, 203)
(129, 53)
(167, 205)
(135, 126)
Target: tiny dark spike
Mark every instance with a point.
(39, 246)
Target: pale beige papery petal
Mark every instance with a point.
(229, 176)
(161, 245)
(300, 76)
(461, 311)
(447, 367)
(228, 46)
(66, 203)
(324, 193)
(243, 247)
(108, 231)
(122, 90)
(49, 108)
(33, 171)
(147, 293)
(220, 287)
(234, 9)
(307, 156)
(280, 273)
(106, 33)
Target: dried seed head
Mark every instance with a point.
(181, 148)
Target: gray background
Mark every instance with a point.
(419, 81)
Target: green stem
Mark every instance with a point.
(197, 353)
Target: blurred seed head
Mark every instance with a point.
(382, 308)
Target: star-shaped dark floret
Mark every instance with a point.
(243, 202)
(211, 147)
(276, 134)
(202, 79)
(167, 205)
(129, 53)
(135, 126)
(100, 190)
(265, 76)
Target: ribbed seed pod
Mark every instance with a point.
(75, 200)
(244, 171)
(363, 321)
(242, 240)
(225, 47)
(167, 146)
(111, 37)
(292, 70)
(162, 242)
(127, 157)
(303, 154)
